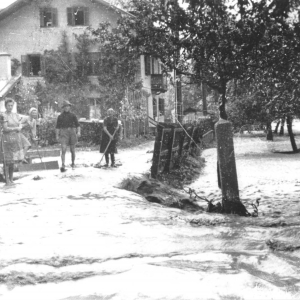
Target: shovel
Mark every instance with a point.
(4, 161)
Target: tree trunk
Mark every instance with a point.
(204, 102)
(281, 132)
(222, 109)
(269, 131)
(179, 100)
(289, 123)
(276, 128)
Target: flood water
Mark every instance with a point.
(77, 236)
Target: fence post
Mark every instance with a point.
(156, 152)
(170, 149)
(226, 164)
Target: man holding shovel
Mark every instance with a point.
(67, 133)
(109, 137)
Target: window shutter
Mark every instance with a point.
(54, 16)
(152, 65)
(86, 16)
(70, 16)
(25, 65)
(42, 17)
(147, 65)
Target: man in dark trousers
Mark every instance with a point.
(67, 133)
(109, 137)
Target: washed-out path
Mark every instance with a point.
(77, 236)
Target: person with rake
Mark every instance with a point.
(110, 134)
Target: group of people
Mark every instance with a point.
(68, 131)
(19, 133)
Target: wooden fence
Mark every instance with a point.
(91, 131)
(135, 128)
(173, 142)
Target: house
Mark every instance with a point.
(7, 81)
(29, 27)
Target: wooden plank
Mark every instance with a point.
(43, 153)
(49, 165)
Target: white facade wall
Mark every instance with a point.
(21, 34)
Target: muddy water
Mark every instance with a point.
(76, 236)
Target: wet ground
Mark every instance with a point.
(78, 236)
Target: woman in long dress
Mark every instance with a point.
(13, 141)
(108, 144)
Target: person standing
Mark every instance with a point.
(29, 128)
(67, 133)
(110, 137)
(13, 141)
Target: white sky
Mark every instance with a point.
(4, 3)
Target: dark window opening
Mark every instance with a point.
(161, 106)
(147, 65)
(77, 16)
(154, 108)
(32, 65)
(48, 17)
(35, 65)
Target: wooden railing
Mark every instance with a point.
(173, 142)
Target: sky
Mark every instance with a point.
(4, 3)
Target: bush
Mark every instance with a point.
(46, 131)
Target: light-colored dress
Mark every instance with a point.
(29, 129)
(13, 143)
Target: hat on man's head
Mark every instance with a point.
(66, 103)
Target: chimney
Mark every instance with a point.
(5, 67)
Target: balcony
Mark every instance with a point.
(159, 83)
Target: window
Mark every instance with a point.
(48, 17)
(93, 64)
(161, 106)
(152, 65)
(95, 111)
(78, 16)
(154, 108)
(147, 65)
(32, 65)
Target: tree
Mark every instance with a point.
(206, 40)
(272, 90)
(119, 69)
(209, 41)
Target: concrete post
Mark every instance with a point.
(227, 168)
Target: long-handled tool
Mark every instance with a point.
(4, 160)
(99, 163)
